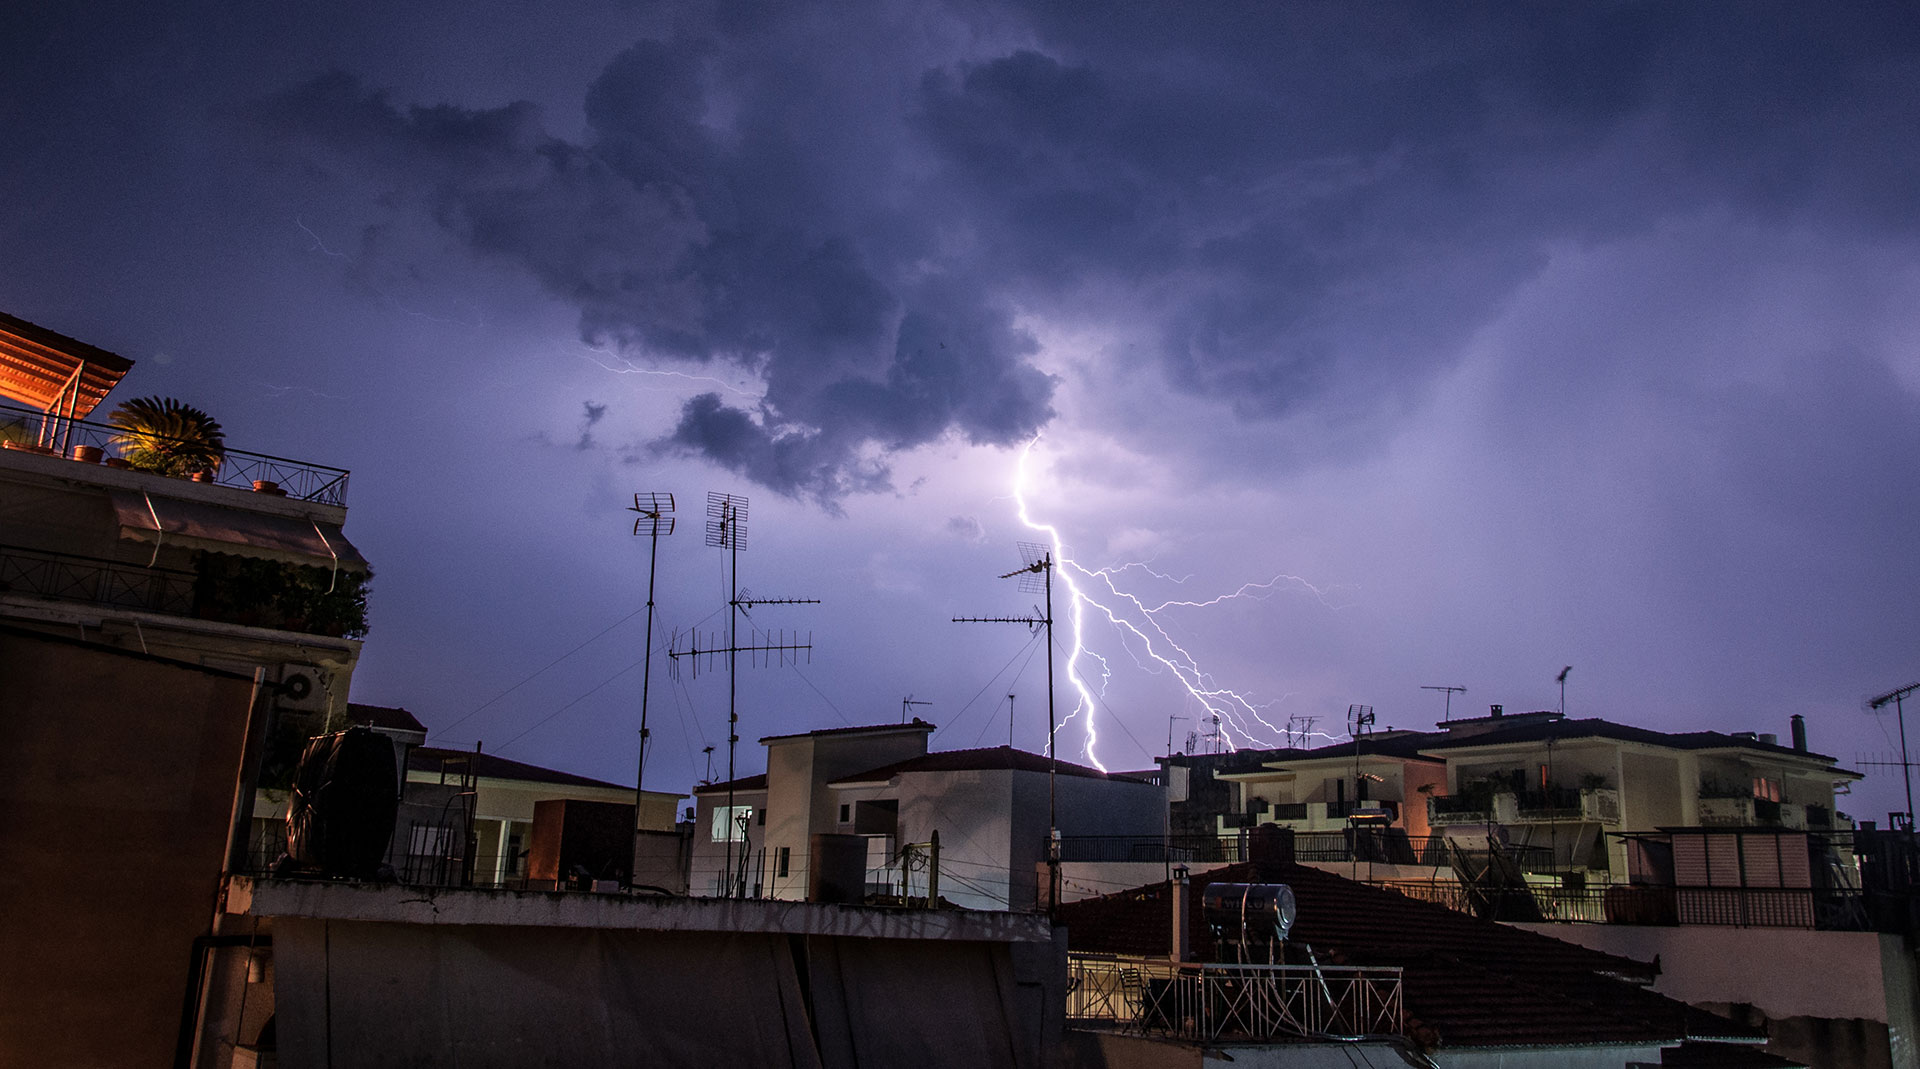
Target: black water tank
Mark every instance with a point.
(345, 795)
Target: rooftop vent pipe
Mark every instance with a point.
(1799, 733)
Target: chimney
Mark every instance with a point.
(1799, 733)
(1182, 935)
(1270, 845)
(1499, 710)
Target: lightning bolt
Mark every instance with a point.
(1236, 713)
(630, 368)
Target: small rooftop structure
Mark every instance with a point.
(53, 372)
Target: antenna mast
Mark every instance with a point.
(1562, 680)
(905, 703)
(1451, 691)
(1898, 696)
(655, 521)
(727, 529)
(1037, 578)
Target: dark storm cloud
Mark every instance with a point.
(1287, 205)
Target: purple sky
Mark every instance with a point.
(1466, 342)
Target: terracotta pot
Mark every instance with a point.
(203, 476)
(87, 454)
(268, 486)
(117, 462)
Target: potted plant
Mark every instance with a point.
(162, 435)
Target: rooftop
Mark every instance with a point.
(1467, 982)
(744, 783)
(434, 759)
(916, 724)
(32, 433)
(990, 759)
(382, 716)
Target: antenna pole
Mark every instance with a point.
(1898, 698)
(1009, 721)
(1451, 691)
(656, 517)
(726, 517)
(1039, 563)
(1563, 689)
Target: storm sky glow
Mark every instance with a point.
(1373, 346)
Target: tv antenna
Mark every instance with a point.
(1170, 721)
(708, 750)
(1451, 691)
(727, 529)
(1300, 731)
(655, 520)
(1009, 721)
(1898, 697)
(1037, 578)
(1562, 680)
(907, 702)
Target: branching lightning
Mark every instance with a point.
(1234, 712)
(630, 368)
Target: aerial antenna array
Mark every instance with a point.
(1897, 697)
(655, 521)
(727, 530)
(1447, 714)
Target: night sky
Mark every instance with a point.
(1375, 345)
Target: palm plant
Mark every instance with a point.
(160, 434)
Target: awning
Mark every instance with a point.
(53, 372)
(196, 525)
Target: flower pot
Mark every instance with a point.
(87, 454)
(264, 486)
(203, 476)
(117, 462)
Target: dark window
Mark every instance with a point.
(780, 862)
(846, 813)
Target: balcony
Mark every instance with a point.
(1248, 1003)
(1556, 805)
(26, 430)
(1310, 816)
(224, 589)
(1761, 813)
(1560, 805)
(1473, 808)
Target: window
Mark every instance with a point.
(846, 813)
(1767, 790)
(728, 821)
(780, 861)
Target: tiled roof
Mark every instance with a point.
(434, 758)
(745, 783)
(915, 724)
(990, 759)
(381, 716)
(1466, 982)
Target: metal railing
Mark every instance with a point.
(300, 479)
(71, 577)
(1208, 1002)
(1363, 844)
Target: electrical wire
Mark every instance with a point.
(1032, 640)
(483, 705)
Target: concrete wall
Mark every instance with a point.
(1818, 992)
(372, 976)
(117, 781)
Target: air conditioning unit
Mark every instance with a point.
(302, 688)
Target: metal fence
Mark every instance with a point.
(1206, 1002)
(1363, 844)
(240, 468)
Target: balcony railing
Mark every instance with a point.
(1761, 813)
(1552, 806)
(70, 577)
(299, 479)
(1377, 845)
(1208, 1003)
(173, 592)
